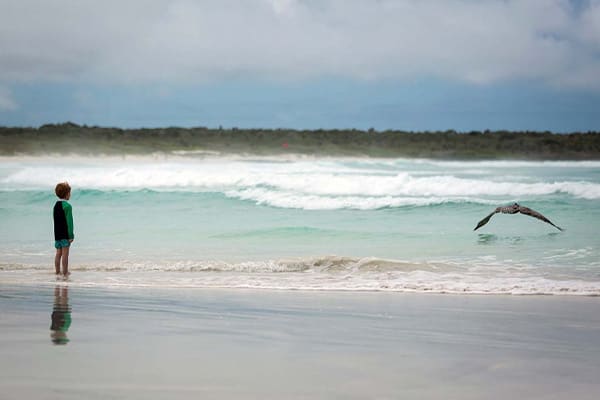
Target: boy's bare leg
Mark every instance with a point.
(57, 261)
(65, 261)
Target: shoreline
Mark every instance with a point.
(69, 138)
(299, 283)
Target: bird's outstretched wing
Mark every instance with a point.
(514, 209)
(535, 214)
(485, 220)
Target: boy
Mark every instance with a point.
(63, 228)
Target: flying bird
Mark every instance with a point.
(514, 209)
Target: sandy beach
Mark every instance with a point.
(225, 344)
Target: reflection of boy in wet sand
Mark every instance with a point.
(61, 316)
(63, 228)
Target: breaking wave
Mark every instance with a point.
(308, 184)
(321, 273)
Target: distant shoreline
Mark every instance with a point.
(70, 138)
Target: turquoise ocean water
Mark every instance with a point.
(198, 220)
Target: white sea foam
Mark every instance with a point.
(323, 274)
(324, 178)
(287, 199)
(511, 164)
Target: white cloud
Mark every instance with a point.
(283, 6)
(195, 41)
(7, 102)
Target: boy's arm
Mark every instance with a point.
(69, 215)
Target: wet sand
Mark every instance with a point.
(225, 344)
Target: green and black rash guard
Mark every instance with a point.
(63, 221)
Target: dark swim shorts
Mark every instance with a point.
(59, 244)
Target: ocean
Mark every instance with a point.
(207, 220)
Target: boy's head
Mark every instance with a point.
(63, 190)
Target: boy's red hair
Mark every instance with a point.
(62, 190)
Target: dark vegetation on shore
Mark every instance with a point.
(70, 138)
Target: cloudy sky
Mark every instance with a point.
(387, 64)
